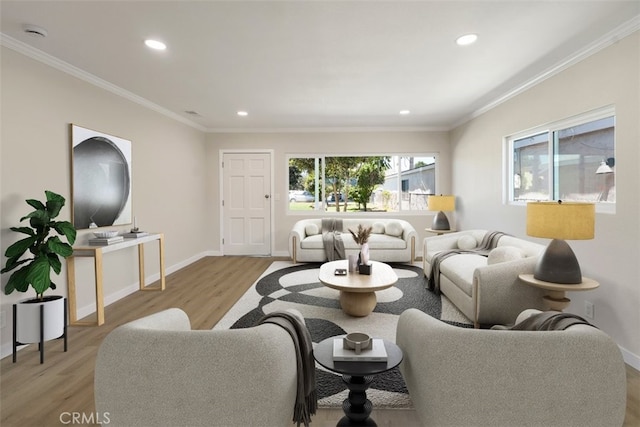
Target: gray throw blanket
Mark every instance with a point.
(332, 239)
(306, 397)
(489, 241)
(549, 321)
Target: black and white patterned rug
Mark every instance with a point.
(286, 285)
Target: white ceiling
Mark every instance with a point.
(316, 64)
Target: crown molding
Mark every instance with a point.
(603, 42)
(65, 67)
(343, 129)
(611, 38)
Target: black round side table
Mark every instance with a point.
(357, 376)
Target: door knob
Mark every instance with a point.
(266, 196)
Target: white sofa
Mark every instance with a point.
(156, 371)
(470, 377)
(486, 289)
(392, 240)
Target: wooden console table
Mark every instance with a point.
(96, 252)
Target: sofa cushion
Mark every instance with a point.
(377, 228)
(394, 228)
(504, 253)
(384, 241)
(459, 269)
(467, 242)
(311, 229)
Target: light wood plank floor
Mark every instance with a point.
(37, 395)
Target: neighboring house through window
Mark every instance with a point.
(572, 159)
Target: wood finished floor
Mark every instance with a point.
(37, 395)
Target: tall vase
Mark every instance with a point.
(364, 253)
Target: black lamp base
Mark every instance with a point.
(440, 222)
(558, 264)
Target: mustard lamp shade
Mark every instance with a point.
(441, 203)
(559, 221)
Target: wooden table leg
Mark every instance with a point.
(556, 300)
(141, 276)
(161, 252)
(358, 304)
(141, 267)
(99, 289)
(71, 289)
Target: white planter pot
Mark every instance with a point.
(28, 319)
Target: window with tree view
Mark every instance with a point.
(573, 160)
(361, 183)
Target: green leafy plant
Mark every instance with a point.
(44, 246)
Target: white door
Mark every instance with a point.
(246, 203)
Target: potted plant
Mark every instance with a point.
(31, 261)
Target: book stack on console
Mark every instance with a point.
(135, 234)
(101, 241)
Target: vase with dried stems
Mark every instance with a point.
(361, 236)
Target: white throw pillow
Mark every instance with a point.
(504, 253)
(467, 243)
(377, 228)
(393, 228)
(311, 230)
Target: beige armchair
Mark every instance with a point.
(470, 377)
(156, 371)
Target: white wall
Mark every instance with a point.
(356, 143)
(169, 172)
(611, 76)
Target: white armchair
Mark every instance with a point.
(470, 377)
(157, 371)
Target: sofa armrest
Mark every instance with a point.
(172, 319)
(499, 296)
(147, 376)
(296, 235)
(471, 377)
(410, 235)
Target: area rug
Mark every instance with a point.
(286, 285)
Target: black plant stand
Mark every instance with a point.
(41, 343)
(357, 376)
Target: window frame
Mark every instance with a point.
(551, 130)
(321, 165)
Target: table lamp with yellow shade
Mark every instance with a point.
(441, 204)
(560, 221)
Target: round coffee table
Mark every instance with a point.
(357, 376)
(357, 291)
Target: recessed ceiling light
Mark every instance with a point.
(242, 113)
(466, 40)
(155, 44)
(404, 112)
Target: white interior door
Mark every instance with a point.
(246, 204)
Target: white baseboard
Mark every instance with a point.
(630, 359)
